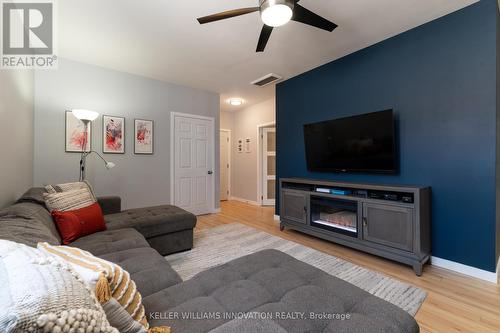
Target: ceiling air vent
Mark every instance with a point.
(266, 80)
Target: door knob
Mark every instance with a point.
(210, 172)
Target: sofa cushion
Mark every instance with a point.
(28, 223)
(153, 221)
(251, 326)
(34, 195)
(150, 271)
(110, 204)
(273, 282)
(110, 241)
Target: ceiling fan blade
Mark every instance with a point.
(303, 15)
(264, 37)
(227, 14)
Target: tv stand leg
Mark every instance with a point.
(418, 268)
(282, 227)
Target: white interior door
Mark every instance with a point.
(224, 164)
(194, 164)
(268, 166)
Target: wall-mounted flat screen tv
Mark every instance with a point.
(364, 143)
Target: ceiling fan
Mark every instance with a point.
(275, 13)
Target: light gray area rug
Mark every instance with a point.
(216, 246)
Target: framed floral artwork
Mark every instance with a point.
(113, 135)
(75, 135)
(143, 137)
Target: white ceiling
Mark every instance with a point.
(161, 39)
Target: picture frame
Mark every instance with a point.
(74, 134)
(113, 135)
(143, 137)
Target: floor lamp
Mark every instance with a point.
(87, 117)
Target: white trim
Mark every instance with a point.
(498, 269)
(172, 153)
(264, 167)
(276, 217)
(230, 161)
(259, 160)
(216, 211)
(255, 203)
(466, 270)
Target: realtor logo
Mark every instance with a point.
(28, 34)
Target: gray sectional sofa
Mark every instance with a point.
(267, 291)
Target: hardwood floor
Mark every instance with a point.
(455, 303)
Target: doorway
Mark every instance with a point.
(225, 164)
(192, 163)
(267, 164)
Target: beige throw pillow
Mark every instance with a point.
(66, 187)
(70, 200)
(110, 283)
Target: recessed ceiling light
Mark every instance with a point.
(235, 101)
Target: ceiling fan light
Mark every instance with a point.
(276, 13)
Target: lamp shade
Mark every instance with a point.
(85, 115)
(110, 165)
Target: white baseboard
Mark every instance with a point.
(276, 217)
(251, 202)
(466, 270)
(216, 210)
(255, 203)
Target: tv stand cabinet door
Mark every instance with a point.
(294, 206)
(388, 225)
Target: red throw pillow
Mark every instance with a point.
(78, 223)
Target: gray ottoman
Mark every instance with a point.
(284, 294)
(168, 229)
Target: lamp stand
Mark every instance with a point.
(83, 157)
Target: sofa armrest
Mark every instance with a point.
(110, 205)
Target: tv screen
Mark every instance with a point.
(364, 143)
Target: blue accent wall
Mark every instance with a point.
(498, 138)
(440, 79)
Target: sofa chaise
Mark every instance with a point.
(267, 291)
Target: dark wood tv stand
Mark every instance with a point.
(385, 220)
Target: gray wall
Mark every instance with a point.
(16, 134)
(139, 180)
